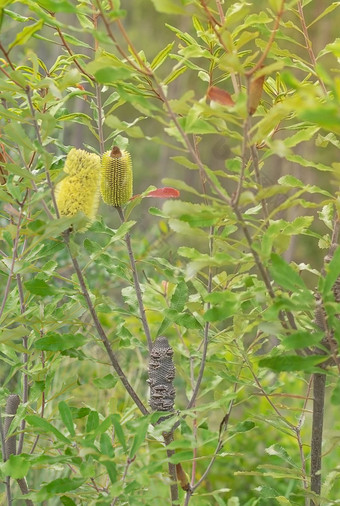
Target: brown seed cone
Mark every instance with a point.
(161, 375)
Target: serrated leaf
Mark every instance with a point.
(179, 297)
(106, 447)
(59, 342)
(17, 466)
(39, 287)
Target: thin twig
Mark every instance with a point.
(168, 438)
(309, 45)
(206, 330)
(298, 437)
(100, 119)
(269, 43)
(101, 332)
(220, 11)
(213, 23)
(236, 196)
(319, 387)
(136, 283)
(25, 361)
(74, 58)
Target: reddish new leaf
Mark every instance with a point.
(220, 96)
(164, 193)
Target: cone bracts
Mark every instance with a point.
(79, 191)
(116, 177)
(161, 375)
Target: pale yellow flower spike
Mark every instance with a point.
(79, 191)
(116, 177)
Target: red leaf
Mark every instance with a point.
(164, 193)
(218, 95)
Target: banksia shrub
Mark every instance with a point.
(116, 177)
(79, 191)
(161, 375)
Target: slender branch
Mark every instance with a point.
(309, 44)
(206, 331)
(14, 256)
(25, 361)
(220, 11)
(236, 196)
(4, 458)
(37, 130)
(168, 438)
(101, 332)
(74, 58)
(143, 69)
(213, 23)
(129, 461)
(319, 387)
(136, 283)
(298, 437)
(269, 43)
(100, 119)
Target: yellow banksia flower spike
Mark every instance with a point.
(79, 191)
(116, 177)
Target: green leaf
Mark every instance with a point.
(333, 271)
(292, 363)
(92, 421)
(219, 313)
(179, 297)
(335, 398)
(106, 382)
(39, 287)
(110, 75)
(242, 427)
(161, 56)
(45, 426)
(140, 435)
(57, 5)
(301, 339)
(187, 320)
(168, 7)
(59, 342)
(67, 501)
(111, 470)
(16, 467)
(119, 431)
(284, 275)
(66, 416)
(106, 447)
(26, 34)
(62, 485)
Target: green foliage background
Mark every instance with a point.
(198, 257)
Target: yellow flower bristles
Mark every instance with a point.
(79, 191)
(116, 177)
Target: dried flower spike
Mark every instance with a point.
(79, 191)
(161, 375)
(116, 177)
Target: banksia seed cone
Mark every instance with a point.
(116, 177)
(161, 375)
(79, 191)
